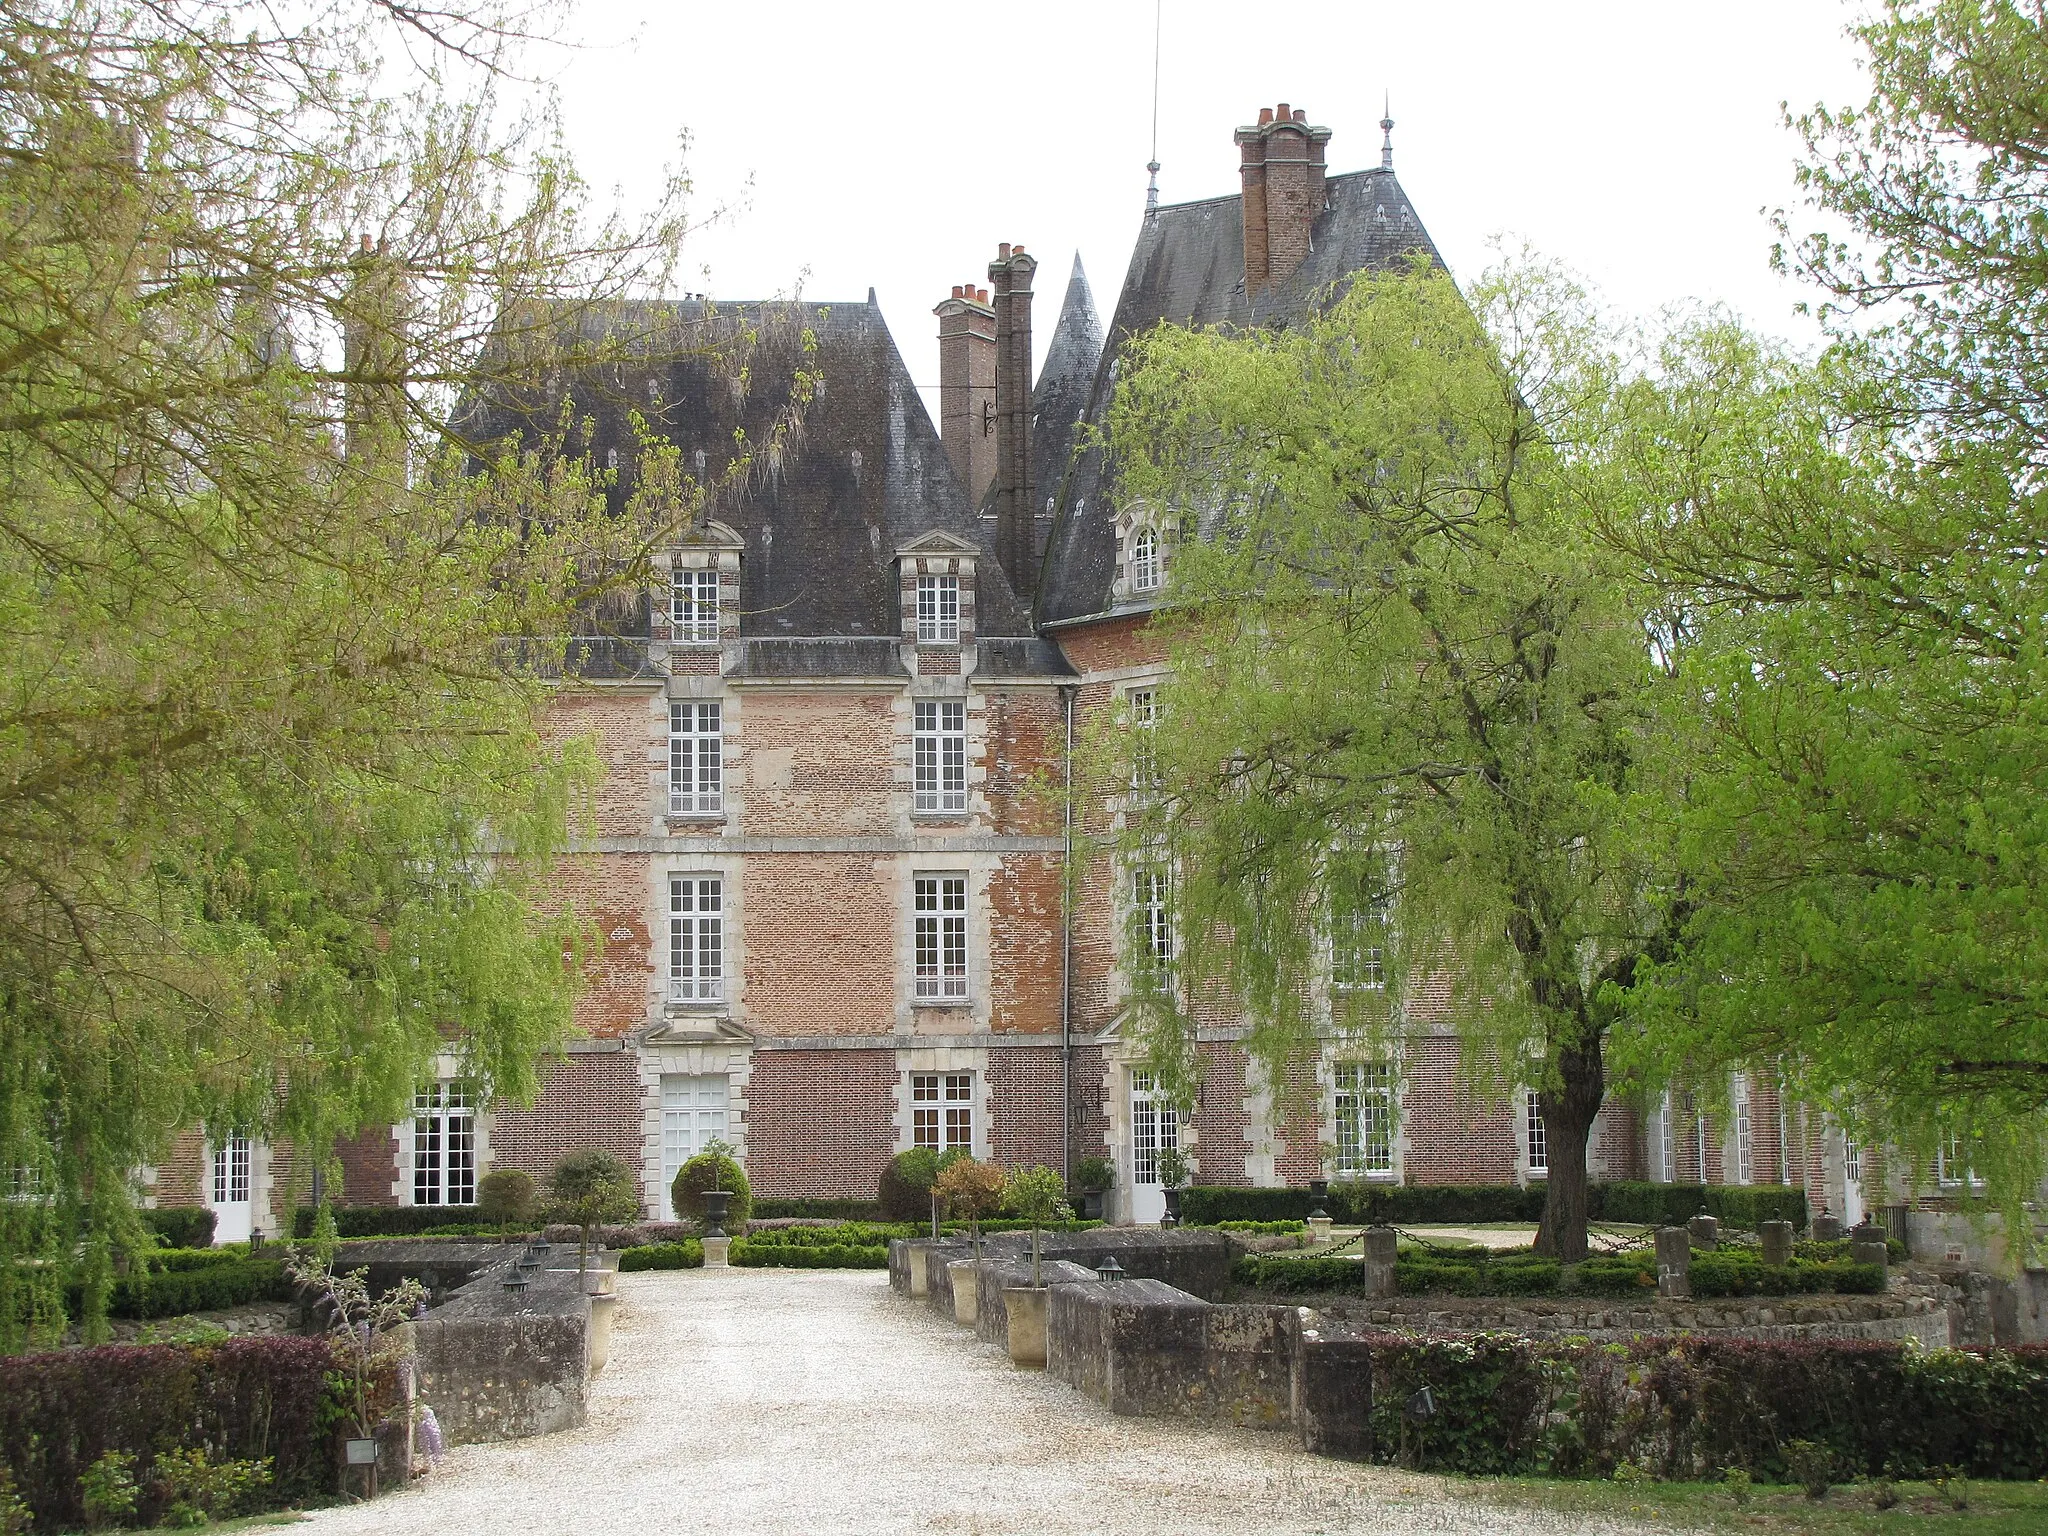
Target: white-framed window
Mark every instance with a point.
(443, 1145)
(1665, 1153)
(231, 1162)
(1365, 1118)
(939, 748)
(1152, 916)
(941, 937)
(693, 607)
(1358, 945)
(1952, 1168)
(1745, 1167)
(1142, 709)
(693, 1115)
(938, 610)
(942, 1110)
(696, 938)
(696, 758)
(1144, 561)
(1539, 1138)
(1155, 1126)
(1852, 1162)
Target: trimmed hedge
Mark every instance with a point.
(173, 1292)
(825, 1210)
(748, 1254)
(394, 1220)
(1687, 1408)
(688, 1254)
(244, 1399)
(1360, 1204)
(1517, 1272)
(181, 1226)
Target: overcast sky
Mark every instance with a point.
(894, 144)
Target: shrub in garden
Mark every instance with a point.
(1093, 1175)
(196, 1490)
(713, 1168)
(1039, 1196)
(65, 1412)
(972, 1192)
(590, 1189)
(388, 1220)
(507, 1198)
(829, 1210)
(905, 1190)
(219, 1279)
(1616, 1274)
(181, 1226)
(107, 1491)
(748, 1254)
(688, 1254)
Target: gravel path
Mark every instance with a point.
(755, 1401)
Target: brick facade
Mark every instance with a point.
(589, 1099)
(821, 1123)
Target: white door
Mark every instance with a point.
(692, 1117)
(1852, 1184)
(228, 1190)
(1155, 1126)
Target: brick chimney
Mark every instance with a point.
(1282, 167)
(967, 386)
(1009, 278)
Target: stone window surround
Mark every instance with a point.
(941, 1058)
(735, 1062)
(447, 1067)
(731, 872)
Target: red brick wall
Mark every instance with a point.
(1091, 1115)
(820, 1123)
(369, 1167)
(1024, 944)
(1026, 1122)
(818, 764)
(1222, 1130)
(1297, 1109)
(821, 936)
(612, 892)
(181, 1176)
(1453, 1137)
(586, 1101)
(1024, 751)
(627, 730)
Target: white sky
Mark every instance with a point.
(894, 144)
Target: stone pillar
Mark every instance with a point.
(1866, 1246)
(1026, 1307)
(966, 1277)
(1381, 1244)
(1826, 1228)
(1319, 1230)
(717, 1251)
(1777, 1236)
(914, 1258)
(1674, 1263)
(1705, 1232)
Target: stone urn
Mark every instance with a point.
(715, 1203)
(1172, 1216)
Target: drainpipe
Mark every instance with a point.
(1067, 691)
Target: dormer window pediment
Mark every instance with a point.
(936, 579)
(1144, 546)
(701, 605)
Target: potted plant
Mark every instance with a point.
(1039, 1196)
(1174, 1169)
(973, 1192)
(714, 1171)
(588, 1189)
(1093, 1178)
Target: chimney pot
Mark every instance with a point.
(1283, 114)
(981, 295)
(1265, 116)
(1003, 251)
(1281, 196)
(1300, 115)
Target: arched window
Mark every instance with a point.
(1145, 561)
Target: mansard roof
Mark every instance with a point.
(1060, 397)
(822, 515)
(1188, 269)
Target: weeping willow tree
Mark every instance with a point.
(1410, 689)
(275, 794)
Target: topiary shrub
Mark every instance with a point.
(905, 1191)
(713, 1168)
(506, 1197)
(971, 1192)
(181, 1226)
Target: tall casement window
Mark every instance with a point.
(942, 1110)
(443, 1145)
(1155, 1127)
(1142, 705)
(940, 752)
(692, 1117)
(231, 1171)
(1144, 561)
(1952, 1168)
(1660, 1143)
(693, 607)
(1852, 1162)
(1365, 1119)
(1539, 1138)
(696, 765)
(1744, 1165)
(938, 610)
(1151, 917)
(941, 938)
(1358, 942)
(696, 939)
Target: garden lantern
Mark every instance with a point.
(1109, 1269)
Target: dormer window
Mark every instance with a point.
(1145, 561)
(938, 610)
(693, 607)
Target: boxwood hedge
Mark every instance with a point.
(1358, 1204)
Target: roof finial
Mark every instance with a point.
(1387, 132)
(1152, 165)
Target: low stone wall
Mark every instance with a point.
(1195, 1262)
(1750, 1317)
(992, 1314)
(1143, 1347)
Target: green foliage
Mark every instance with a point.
(1094, 1174)
(174, 1292)
(828, 1210)
(713, 1168)
(1263, 1228)
(181, 1226)
(389, 1220)
(972, 1192)
(1174, 1167)
(688, 1254)
(749, 1254)
(506, 1197)
(905, 1192)
(15, 1517)
(1037, 1196)
(1743, 1206)
(107, 1491)
(1616, 1274)
(590, 1189)
(1361, 1204)
(1811, 1466)
(197, 1490)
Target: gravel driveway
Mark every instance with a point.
(768, 1400)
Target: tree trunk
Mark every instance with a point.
(1568, 1111)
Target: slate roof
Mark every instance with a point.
(1065, 384)
(1188, 269)
(822, 518)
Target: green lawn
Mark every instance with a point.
(1992, 1509)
